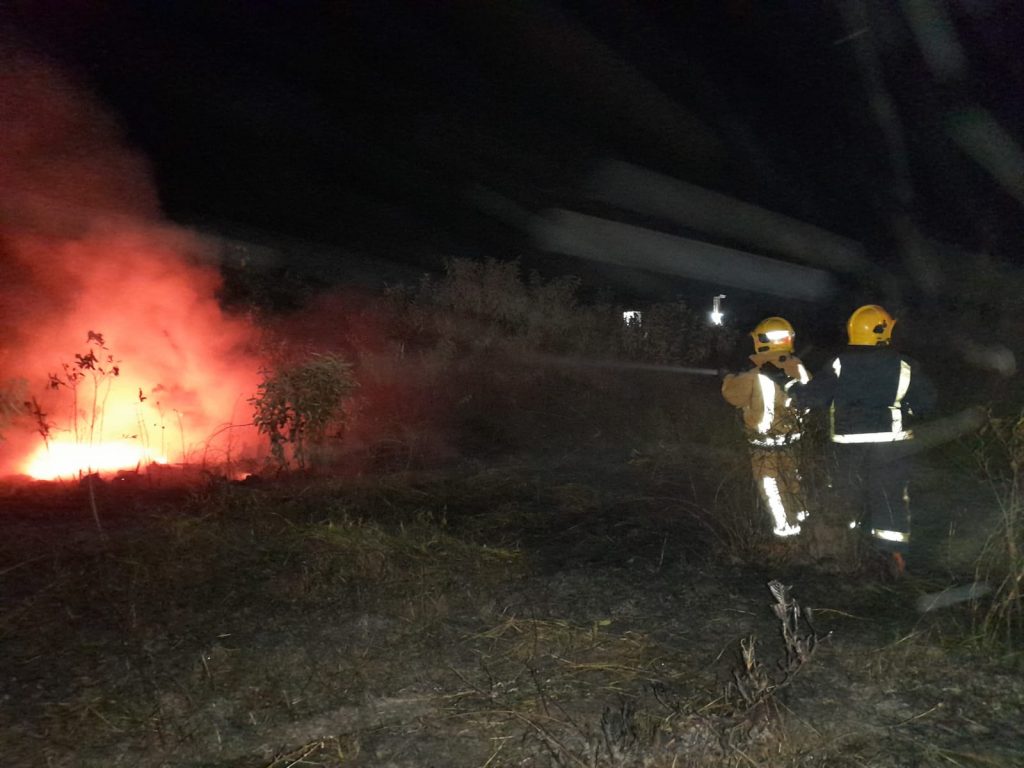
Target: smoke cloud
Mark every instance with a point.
(83, 248)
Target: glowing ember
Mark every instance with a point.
(67, 460)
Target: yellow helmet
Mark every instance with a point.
(870, 326)
(773, 334)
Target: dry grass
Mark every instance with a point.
(399, 620)
(999, 453)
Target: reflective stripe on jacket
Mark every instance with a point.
(767, 408)
(872, 393)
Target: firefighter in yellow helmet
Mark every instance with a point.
(772, 423)
(872, 393)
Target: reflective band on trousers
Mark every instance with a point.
(775, 505)
(874, 437)
(773, 442)
(890, 535)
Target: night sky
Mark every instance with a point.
(375, 127)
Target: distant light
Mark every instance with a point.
(889, 535)
(632, 318)
(717, 315)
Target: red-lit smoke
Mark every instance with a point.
(83, 247)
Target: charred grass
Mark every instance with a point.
(522, 614)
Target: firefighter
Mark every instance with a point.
(872, 392)
(772, 424)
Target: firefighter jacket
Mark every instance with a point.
(768, 414)
(873, 393)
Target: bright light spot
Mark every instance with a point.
(632, 317)
(777, 335)
(888, 535)
(68, 460)
(717, 315)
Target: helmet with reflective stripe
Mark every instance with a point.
(773, 334)
(870, 326)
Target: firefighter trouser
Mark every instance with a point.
(873, 481)
(778, 486)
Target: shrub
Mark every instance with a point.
(486, 360)
(297, 403)
(521, 363)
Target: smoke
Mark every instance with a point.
(591, 237)
(83, 249)
(649, 193)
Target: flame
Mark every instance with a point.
(69, 460)
(91, 267)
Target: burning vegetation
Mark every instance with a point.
(103, 303)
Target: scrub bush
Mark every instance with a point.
(296, 404)
(490, 304)
(486, 361)
(514, 362)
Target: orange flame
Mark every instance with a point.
(69, 460)
(83, 248)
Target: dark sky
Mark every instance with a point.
(368, 126)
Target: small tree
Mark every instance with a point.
(296, 404)
(99, 370)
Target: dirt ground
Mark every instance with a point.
(527, 614)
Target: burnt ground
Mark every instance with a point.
(521, 615)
